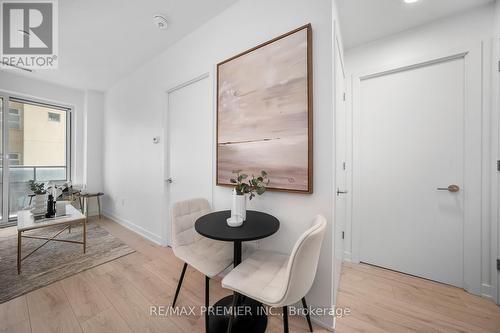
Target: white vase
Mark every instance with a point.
(238, 210)
(241, 206)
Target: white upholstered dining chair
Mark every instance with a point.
(209, 257)
(276, 279)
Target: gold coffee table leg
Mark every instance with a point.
(84, 235)
(19, 252)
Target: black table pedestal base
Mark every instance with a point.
(257, 226)
(255, 321)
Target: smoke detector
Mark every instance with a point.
(160, 21)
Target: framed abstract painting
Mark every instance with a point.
(264, 113)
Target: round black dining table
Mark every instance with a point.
(257, 225)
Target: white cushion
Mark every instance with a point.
(209, 257)
(184, 215)
(276, 279)
(263, 277)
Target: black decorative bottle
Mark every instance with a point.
(51, 207)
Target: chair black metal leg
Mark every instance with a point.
(304, 304)
(180, 283)
(207, 302)
(233, 312)
(285, 319)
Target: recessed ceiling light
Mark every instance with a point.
(410, 1)
(160, 21)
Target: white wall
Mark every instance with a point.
(497, 17)
(93, 119)
(133, 165)
(473, 27)
(94, 112)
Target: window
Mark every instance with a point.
(38, 147)
(15, 119)
(54, 117)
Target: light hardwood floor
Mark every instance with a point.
(386, 301)
(116, 296)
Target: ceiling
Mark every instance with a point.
(101, 41)
(363, 21)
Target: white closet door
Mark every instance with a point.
(189, 148)
(411, 147)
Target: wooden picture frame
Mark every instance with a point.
(275, 56)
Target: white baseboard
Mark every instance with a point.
(486, 291)
(134, 227)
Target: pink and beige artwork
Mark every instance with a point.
(264, 113)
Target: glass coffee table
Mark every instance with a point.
(26, 221)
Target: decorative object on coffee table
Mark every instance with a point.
(51, 205)
(40, 197)
(264, 112)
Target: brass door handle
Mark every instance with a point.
(451, 188)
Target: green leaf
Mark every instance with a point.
(244, 176)
(263, 173)
(240, 178)
(232, 180)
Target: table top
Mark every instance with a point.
(26, 219)
(91, 194)
(257, 225)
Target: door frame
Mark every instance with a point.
(474, 157)
(165, 232)
(338, 253)
(495, 174)
(5, 162)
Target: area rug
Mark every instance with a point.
(55, 260)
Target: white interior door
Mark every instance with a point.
(411, 139)
(189, 148)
